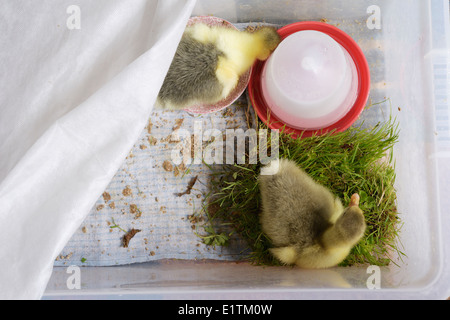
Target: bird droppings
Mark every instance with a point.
(66, 257)
(135, 210)
(149, 126)
(167, 165)
(228, 113)
(178, 124)
(152, 140)
(127, 191)
(106, 196)
(128, 236)
(176, 171)
(189, 187)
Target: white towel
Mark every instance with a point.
(78, 82)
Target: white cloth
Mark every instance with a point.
(78, 80)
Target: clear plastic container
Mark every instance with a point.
(406, 44)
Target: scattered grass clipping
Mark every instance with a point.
(358, 160)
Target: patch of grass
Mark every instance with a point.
(358, 160)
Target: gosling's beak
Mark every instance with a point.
(354, 200)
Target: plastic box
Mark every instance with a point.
(407, 51)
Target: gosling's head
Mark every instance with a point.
(351, 224)
(270, 39)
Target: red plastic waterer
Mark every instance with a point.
(316, 81)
